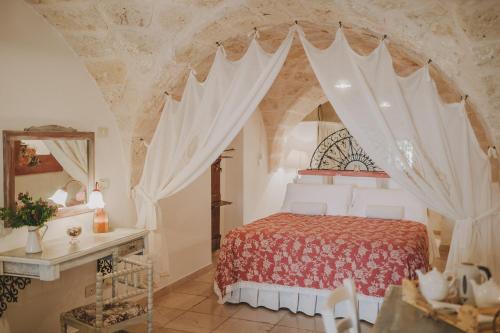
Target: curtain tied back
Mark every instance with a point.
(425, 145)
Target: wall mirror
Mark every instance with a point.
(50, 162)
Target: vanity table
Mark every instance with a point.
(61, 161)
(17, 267)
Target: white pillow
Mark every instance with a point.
(370, 182)
(308, 179)
(391, 184)
(414, 210)
(336, 197)
(385, 212)
(308, 208)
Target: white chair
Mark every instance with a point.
(347, 294)
(116, 312)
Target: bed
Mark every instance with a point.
(292, 259)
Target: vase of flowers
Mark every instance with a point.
(33, 214)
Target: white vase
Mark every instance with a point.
(34, 242)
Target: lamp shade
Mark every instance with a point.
(59, 197)
(96, 200)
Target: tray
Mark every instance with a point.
(467, 318)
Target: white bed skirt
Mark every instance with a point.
(306, 300)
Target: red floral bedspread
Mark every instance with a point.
(320, 251)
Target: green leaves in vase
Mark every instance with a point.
(28, 212)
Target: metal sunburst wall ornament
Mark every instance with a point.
(340, 151)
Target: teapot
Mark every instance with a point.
(466, 273)
(486, 294)
(435, 285)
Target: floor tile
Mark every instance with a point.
(196, 322)
(196, 288)
(179, 301)
(211, 306)
(262, 315)
(162, 315)
(206, 277)
(285, 329)
(142, 328)
(302, 321)
(233, 325)
(366, 327)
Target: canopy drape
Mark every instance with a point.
(428, 147)
(72, 155)
(192, 133)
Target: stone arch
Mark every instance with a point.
(296, 91)
(137, 49)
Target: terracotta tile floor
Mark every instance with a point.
(192, 307)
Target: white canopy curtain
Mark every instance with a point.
(428, 147)
(72, 155)
(193, 132)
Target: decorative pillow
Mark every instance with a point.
(385, 212)
(336, 197)
(369, 182)
(414, 210)
(308, 208)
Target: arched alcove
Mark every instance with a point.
(296, 91)
(138, 49)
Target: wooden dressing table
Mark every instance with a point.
(55, 151)
(17, 267)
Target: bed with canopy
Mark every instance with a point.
(428, 147)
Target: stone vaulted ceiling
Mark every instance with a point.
(137, 49)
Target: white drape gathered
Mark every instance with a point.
(192, 133)
(72, 155)
(426, 146)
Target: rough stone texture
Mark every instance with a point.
(84, 17)
(129, 13)
(107, 72)
(480, 22)
(137, 49)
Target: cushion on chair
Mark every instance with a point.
(112, 314)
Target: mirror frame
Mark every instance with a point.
(44, 133)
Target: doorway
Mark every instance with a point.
(216, 200)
